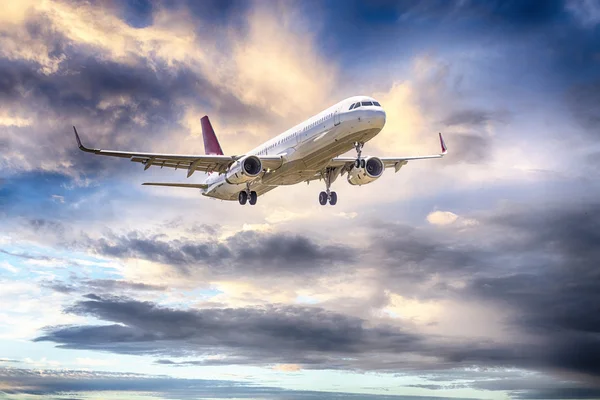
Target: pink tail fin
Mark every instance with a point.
(211, 144)
(443, 144)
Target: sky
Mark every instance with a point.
(471, 277)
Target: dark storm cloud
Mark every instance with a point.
(407, 256)
(101, 286)
(245, 253)
(250, 335)
(62, 382)
(557, 295)
(540, 263)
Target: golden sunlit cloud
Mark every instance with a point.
(287, 367)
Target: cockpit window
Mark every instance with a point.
(356, 105)
(352, 106)
(377, 104)
(366, 103)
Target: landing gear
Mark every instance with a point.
(331, 197)
(330, 175)
(247, 195)
(359, 162)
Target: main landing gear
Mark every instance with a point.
(328, 195)
(247, 195)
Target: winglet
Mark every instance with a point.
(443, 144)
(81, 146)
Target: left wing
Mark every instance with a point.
(183, 185)
(191, 162)
(388, 162)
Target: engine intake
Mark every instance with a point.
(244, 170)
(373, 169)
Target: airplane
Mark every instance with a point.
(309, 151)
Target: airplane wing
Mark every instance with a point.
(397, 162)
(183, 185)
(191, 162)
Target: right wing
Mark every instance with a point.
(205, 163)
(388, 162)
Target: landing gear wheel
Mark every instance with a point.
(243, 197)
(357, 163)
(323, 198)
(333, 198)
(253, 197)
(363, 163)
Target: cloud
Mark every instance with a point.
(441, 217)
(270, 334)
(102, 286)
(14, 121)
(247, 253)
(287, 367)
(55, 382)
(449, 218)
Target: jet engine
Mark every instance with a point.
(373, 169)
(243, 170)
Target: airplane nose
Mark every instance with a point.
(380, 118)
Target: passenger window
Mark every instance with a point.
(377, 104)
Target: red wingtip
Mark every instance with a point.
(211, 144)
(443, 144)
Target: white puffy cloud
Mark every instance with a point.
(441, 217)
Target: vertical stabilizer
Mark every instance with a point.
(211, 143)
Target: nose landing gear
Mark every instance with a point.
(359, 163)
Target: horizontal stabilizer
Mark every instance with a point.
(184, 185)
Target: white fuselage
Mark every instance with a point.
(308, 147)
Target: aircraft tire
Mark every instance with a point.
(243, 197)
(333, 198)
(253, 198)
(322, 198)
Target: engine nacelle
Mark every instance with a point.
(361, 176)
(243, 170)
